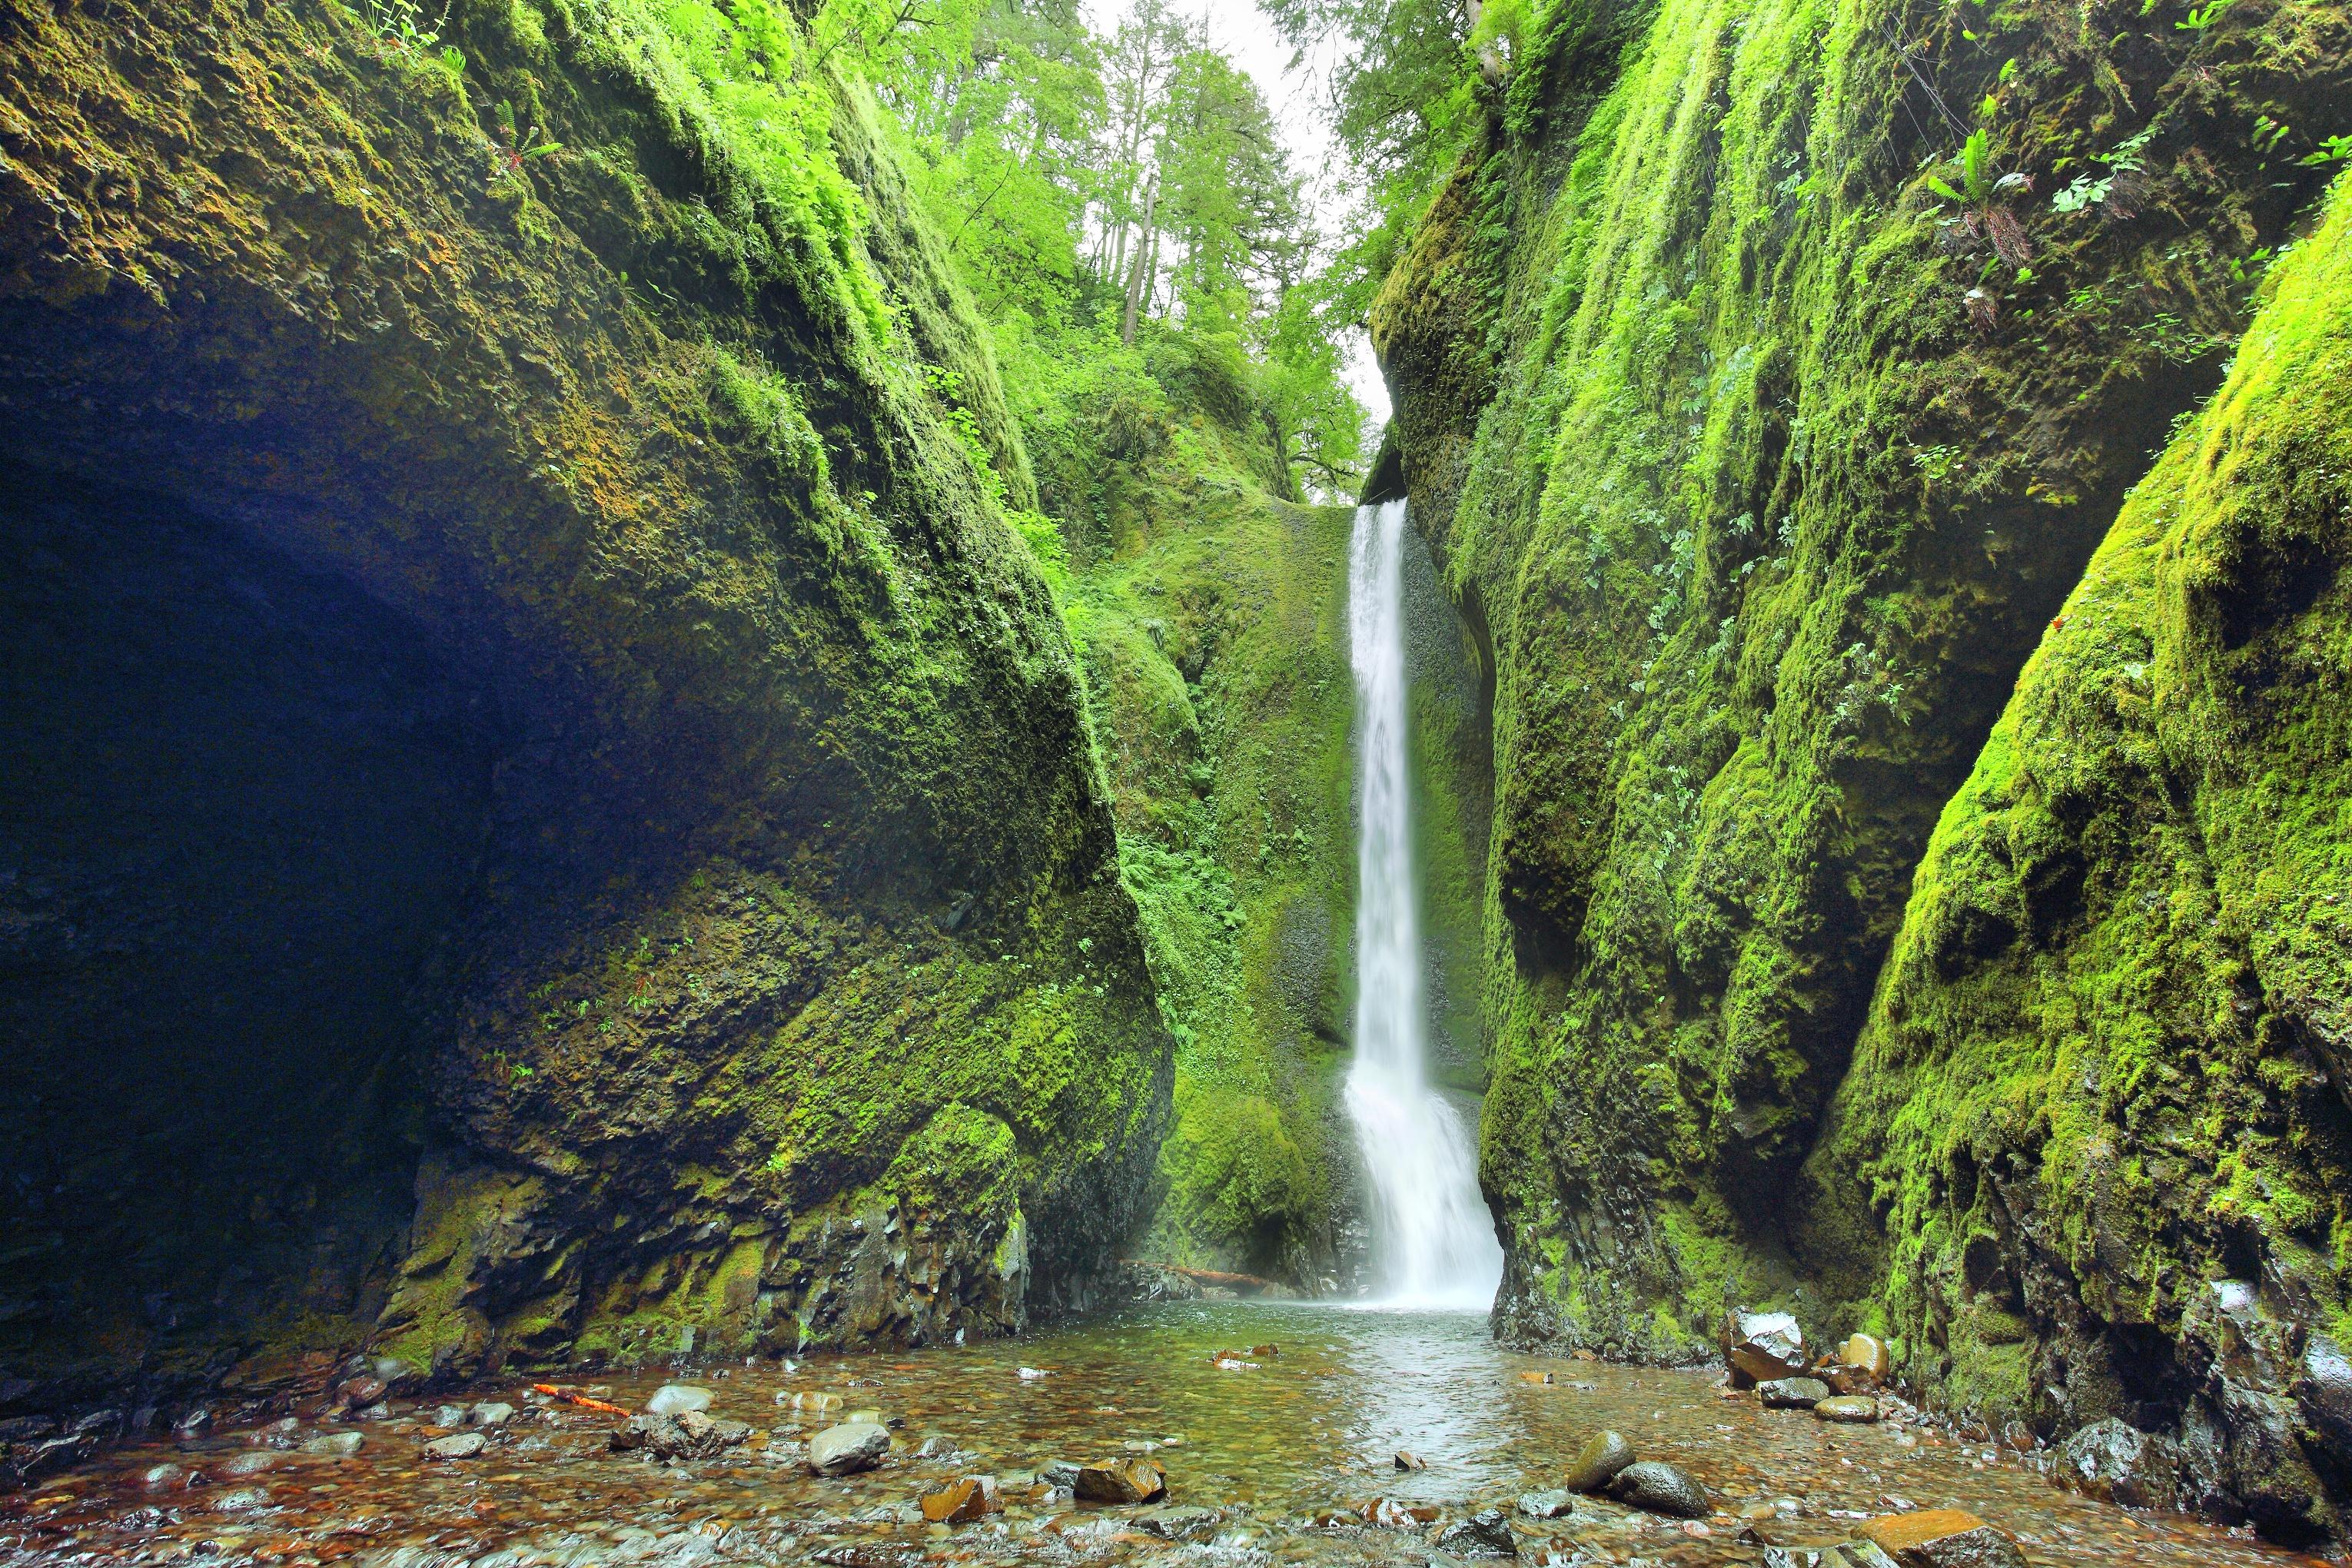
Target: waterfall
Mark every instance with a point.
(1433, 1242)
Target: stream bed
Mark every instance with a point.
(1264, 1459)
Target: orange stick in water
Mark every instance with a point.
(582, 1400)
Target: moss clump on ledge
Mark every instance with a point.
(787, 867)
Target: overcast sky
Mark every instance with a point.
(1242, 32)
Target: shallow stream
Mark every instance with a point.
(1272, 1447)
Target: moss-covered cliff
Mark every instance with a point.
(1766, 378)
(1213, 606)
(548, 812)
(2100, 1108)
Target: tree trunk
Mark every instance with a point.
(1135, 268)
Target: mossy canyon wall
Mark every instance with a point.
(1766, 430)
(549, 814)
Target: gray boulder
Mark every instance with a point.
(846, 1449)
(676, 1398)
(2116, 1462)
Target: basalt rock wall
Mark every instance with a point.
(549, 814)
(1766, 379)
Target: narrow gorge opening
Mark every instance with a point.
(243, 812)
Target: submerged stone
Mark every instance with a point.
(1487, 1533)
(457, 1446)
(1848, 1408)
(1792, 1393)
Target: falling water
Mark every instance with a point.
(1433, 1243)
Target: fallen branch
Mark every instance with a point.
(573, 1397)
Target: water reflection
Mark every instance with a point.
(1268, 1442)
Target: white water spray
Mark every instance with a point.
(1433, 1243)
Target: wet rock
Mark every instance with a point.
(846, 1449)
(1843, 1555)
(105, 1425)
(48, 1456)
(1660, 1488)
(1942, 1538)
(251, 1463)
(242, 1501)
(490, 1413)
(1394, 1513)
(960, 1501)
(1170, 1522)
(1409, 1461)
(1599, 1462)
(335, 1445)
(163, 1478)
(457, 1446)
(27, 1428)
(193, 1424)
(1487, 1533)
(689, 1435)
(448, 1415)
(2114, 1462)
(1760, 1346)
(1849, 1408)
(673, 1398)
(1793, 1393)
(1121, 1481)
(1547, 1505)
(1061, 1473)
(365, 1390)
(1864, 1357)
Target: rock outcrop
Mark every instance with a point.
(550, 816)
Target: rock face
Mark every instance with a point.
(1872, 916)
(683, 822)
(2114, 1462)
(1792, 1393)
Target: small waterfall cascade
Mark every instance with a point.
(1433, 1242)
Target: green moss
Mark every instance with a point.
(1758, 526)
(2104, 1022)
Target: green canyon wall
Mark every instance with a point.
(548, 813)
(1762, 433)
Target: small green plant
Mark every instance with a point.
(401, 32)
(522, 144)
(2201, 18)
(1975, 168)
(2335, 150)
(402, 22)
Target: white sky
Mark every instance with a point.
(1245, 34)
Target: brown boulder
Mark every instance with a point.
(1761, 1346)
(961, 1501)
(1942, 1538)
(1121, 1481)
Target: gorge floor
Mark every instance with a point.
(1267, 1449)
